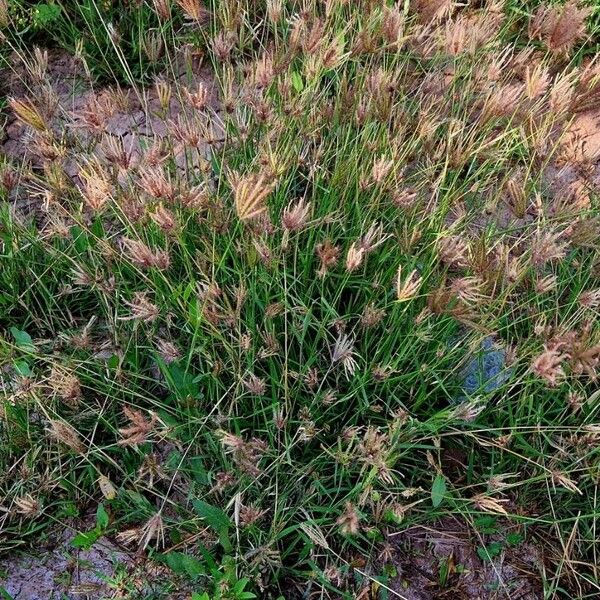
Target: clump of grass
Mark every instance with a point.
(250, 346)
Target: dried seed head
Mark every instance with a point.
(392, 27)
(562, 479)
(349, 520)
(164, 218)
(164, 91)
(590, 299)
(162, 8)
(332, 55)
(454, 251)
(562, 92)
(139, 430)
(64, 433)
(28, 114)
(153, 157)
(503, 101)
(328, 255)
(141, 309)
(153, 529)
(499, 482)
(199, 98)
(584, 358)
(143, 256)
(65, 385)
(546, 284)
(343, 351)
(315, 37)
(167, 350)
(255, 385)
(8, 177)
(264, 71)
(296, 215)
(194, 10)
(468, 411)
(488, 504)
(537, 80)
(407, 288)
(404, 198)
(354, 257)
(222, 45)
(4, 15)
(274, 10)
(374, 237)
(114, 151)
(250, 194)
(380, 170)
(273, 309)
(428, 10)
(28, 506)
(468, 289)
(129, 536)
(559, 27)
(250, 515)
(246, 454)
(548, 366)
(153, 180)
(196, 198)
(547, 246)
(372, 316)
(97, 190)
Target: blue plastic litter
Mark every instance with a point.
(487, 371)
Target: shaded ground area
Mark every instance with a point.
(449, 560)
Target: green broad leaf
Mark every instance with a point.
(45, 14)
(486, 524)
(197, 596)
(113, 362)
(174, 561)
(490, 551)
(197, 469)
(239, 592)
(181, 382)
(514, 538)
(184, 564)
(297, 81)
(80, 239)
(101, 517)
(193, 567)
(251, 256)
(438, 490)
(22, 368)
(97, 228)
(22, 339)
(86, 539)
(217, 519)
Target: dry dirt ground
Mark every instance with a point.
(61, 570)
(436, 562)
(441, 562)
(58, 571)
(135, 118)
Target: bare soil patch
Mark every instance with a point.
(443, 561)
(136, 117)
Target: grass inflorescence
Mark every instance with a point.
(246, 331)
